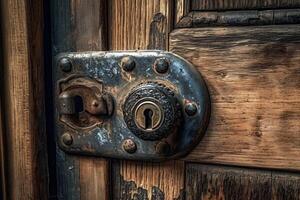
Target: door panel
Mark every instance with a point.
(252, 74)
(242, 4)
(217, 182)
(253, 78)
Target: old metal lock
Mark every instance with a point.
(151, 111)
(145, 105)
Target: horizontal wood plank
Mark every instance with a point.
(242, 4)
(253, 75)
(219, 182)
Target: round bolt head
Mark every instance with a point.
(65, 64)
(127, 63)
(190, 108)
(129, 146)
(161, 65)
(67, 139)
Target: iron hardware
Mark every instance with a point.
(145, 105)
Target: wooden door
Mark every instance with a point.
(247, 51)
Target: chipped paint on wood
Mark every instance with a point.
(151, 180)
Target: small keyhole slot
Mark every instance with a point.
(78, 102)
(148, 114)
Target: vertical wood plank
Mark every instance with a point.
(2, 132)
(143, 24)
(22, 26)
(133, 23)
(80, 25)
(89, 30)
(2, 153)
(182, 8)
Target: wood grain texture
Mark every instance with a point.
(182, 8)
(80, 25)
(218, 182)
(253, 78)
(89, 29)
(143, 24)
(133, 23)
(242, 4)
(239, 18)
(137, 180)
(3, 194)
(22, 26)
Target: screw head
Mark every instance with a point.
(190, 108)
(127, 63)
(129, 146)
(65, 64)
(67, 139)
(161, 65)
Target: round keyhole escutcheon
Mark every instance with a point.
(151, 111)
(148, 115)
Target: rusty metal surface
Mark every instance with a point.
(104, 81)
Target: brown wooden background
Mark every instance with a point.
(216, 170)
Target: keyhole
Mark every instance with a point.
(148, 114)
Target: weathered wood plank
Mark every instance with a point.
(80, 26)
(244, 18)
(253, 78)
(139, 24)
(182, 8)
(143, 24)
(242, 4)
(22, 33)
(285, 186)
(219, 182)
(138, 180)
(3, 194)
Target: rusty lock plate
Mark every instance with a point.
(140, 105)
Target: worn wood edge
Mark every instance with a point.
(197, 19)
(206, 179)
(3, 161)
(182, 8)
(3, 194)
(246, 18)
(205, 158)
(22, 26)
(221, 5)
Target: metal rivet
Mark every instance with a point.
(161, 65)
(129, 146)
(95, 103)
(190, 108)
(67, 139)
(127, 63)
(65, 64)
(163, 147)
